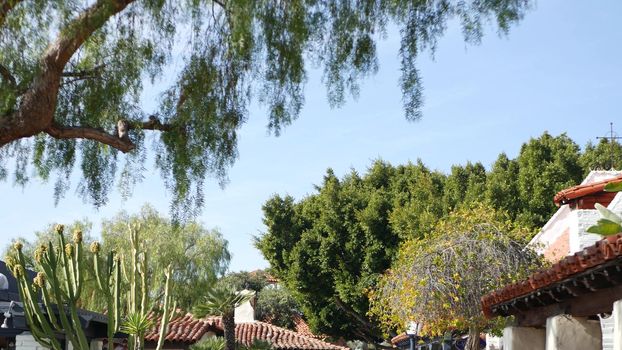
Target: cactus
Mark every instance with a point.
(61, 282)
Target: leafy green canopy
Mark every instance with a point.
(329, 248)
(71, 77)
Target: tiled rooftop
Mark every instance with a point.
(585, 191)
(188, 329)
(599, 256)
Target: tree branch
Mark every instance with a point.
(5, 7)
(78, 132)
(77, 31)
(121, 141)
(153, 124)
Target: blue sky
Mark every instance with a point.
(559, 70)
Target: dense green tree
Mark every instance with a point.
(254, 280)
(546, 165)
(72, 73)
(502, 186)
(329, 248)
(604, 155)
(197, 256)
(415, 192)
(464, 184)
(277, 306)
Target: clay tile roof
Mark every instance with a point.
(187, 329)
(580, 191)
(280, 338)
(599, 255)
(399, 338)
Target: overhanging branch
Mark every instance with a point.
(121, 141)
(79, 132)
(152, 124)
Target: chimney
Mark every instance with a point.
(245, 312)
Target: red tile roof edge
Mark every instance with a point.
(185, 328)
(399, 338)
(564, 196)
(600, 253)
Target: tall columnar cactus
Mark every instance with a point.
(60, 284)
(139, 299)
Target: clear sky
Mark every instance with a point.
(559, 70)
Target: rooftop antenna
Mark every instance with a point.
(612, 137)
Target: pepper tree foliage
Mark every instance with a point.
(196, 255)
(330, 247)
(72, 73)
(439, 279)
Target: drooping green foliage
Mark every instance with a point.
(197, 256)
(212, 57)
(438, 280)
(330, 247)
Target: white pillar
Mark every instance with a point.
(96, 344)
(564, 332)
(523, 338)
(493, 343)
(26, 341)
(617, 325)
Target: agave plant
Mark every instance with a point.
(137, 324)
(220, 300)
(610, 223)
(211, 343)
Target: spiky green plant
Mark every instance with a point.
(60, 282)
(221, 300)
(211, 343)
(137, 325)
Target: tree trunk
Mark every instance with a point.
(473, 341)
(228, 323)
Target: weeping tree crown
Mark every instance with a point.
(72, 73)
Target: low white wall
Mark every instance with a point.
(26, 341)
(524, 338)
(565, 332)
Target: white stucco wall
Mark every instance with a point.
(26, 341)
(565, 332)
(523, 338)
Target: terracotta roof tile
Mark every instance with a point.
(580, 191)
(602, 252)
(187, 329)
